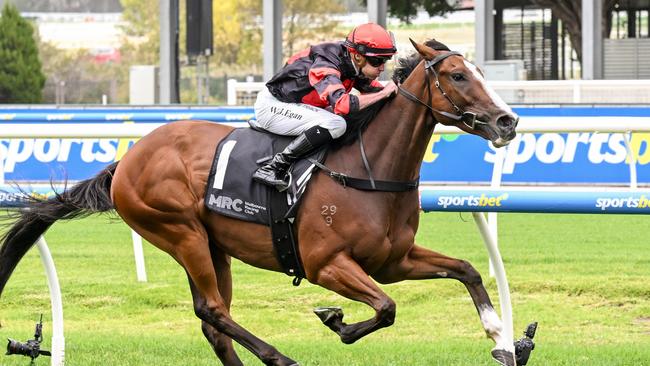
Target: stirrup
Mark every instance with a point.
(269, 176)
(286, 182)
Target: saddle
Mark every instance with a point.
(231, 191)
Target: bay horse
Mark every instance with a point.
(158, 190)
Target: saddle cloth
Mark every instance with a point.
(232, 192)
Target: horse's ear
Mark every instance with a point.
(427, 52)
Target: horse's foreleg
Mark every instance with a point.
(345, 277)
(221, 343)
(422, 263)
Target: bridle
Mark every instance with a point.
(467, 118)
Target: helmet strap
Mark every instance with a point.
(353, 58)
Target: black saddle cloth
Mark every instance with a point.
(231, 190)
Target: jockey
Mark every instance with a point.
(310, 95)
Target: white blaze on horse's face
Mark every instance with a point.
(496, 99)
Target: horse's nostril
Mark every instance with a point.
(507, 121)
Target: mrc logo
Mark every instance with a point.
(226, 202)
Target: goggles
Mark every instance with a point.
(376, 61)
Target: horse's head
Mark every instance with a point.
(459, 96)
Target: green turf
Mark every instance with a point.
(583, 277)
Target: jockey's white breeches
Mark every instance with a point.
(292, 119)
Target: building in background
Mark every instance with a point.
(612, 39)
(82, 24)
(66, 6)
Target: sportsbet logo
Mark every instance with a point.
(483, 200)
(553, 148)
(630, 202)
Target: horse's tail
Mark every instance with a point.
(85, 198)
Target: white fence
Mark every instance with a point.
(519, 92)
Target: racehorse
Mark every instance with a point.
(158, 189)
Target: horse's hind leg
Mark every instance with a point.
(221, 343)
(210, 306)
(188, 244)
(345, 277)
(421, 263)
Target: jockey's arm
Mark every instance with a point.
(325, 77)
(368, 99)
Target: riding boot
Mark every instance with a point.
(274, 173)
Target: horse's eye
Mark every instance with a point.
(458, 77)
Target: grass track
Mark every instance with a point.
(583, 277)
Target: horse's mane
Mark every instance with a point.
(407, 64)
(358, 121)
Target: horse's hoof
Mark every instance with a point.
(503, 357)
(328, 314)
(285, 362)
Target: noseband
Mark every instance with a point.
(467, 118)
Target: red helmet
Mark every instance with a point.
(371, 40)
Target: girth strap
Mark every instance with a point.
(284, 241)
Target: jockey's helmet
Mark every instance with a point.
(371, 39)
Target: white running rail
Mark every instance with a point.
(518, 92)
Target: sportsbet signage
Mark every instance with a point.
(44, 159)
(566, 158)
(572, 158)
(549, 200)
(539, 158)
